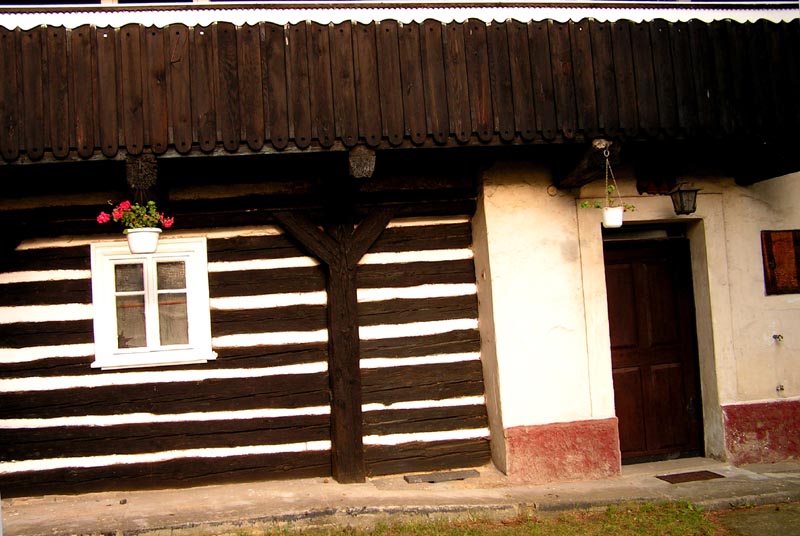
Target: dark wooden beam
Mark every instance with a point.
(340, 246)
(591, 165)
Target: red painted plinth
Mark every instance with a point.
(762, 433)
(579, 450)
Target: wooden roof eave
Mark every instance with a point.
(89, 93)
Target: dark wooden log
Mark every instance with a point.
(343, 81)
(521, 80)
(10, 120)
(584, 76)
(410, 421)
(271, 320)
(500, 75)
(179, 84)
(68, 258)
(684, 78)
(323, 128)
(259, 282)
(108, 91)
(131, 81)
(367, 84)
(604, 79)
(23, 334)
(591, 166)
(251, 93)
(419, 310)
(82, 91)
(422, 382)
(433, 72)
(625, 79)
(452, 236)
(664, 77)
(479, 80)
(138, 438)
(58, 105)
(203, 84)
(275, 85)
(46, 293)
(390, 83)
(416, 457)
(286, 391)
(176, 473)
(458, 103)
(33, 98)
(227, 86)
(563, 78)
(227, 358)
(721, 73)
(416, 273)
(542, 73)
(644, 75)
(156, 103)
(703, 69)
(413, 91)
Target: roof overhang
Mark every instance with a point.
(403, 11)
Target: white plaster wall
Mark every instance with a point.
(542, 295)
(530, 287)
(762, 363)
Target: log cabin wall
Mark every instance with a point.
(101, 92)
(262, 408)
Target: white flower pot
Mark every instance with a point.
(143, 240)
(612, 217)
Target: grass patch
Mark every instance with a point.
(668, 519)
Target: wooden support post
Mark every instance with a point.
(592, 165)
(340, 247)
(141, 173)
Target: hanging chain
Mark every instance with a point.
(610, 172)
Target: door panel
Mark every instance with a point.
(653, 348)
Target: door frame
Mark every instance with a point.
(652, 242)
(706, 232)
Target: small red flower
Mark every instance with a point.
(103, 218)
(125, 206)
(117, 213)
(167, 222)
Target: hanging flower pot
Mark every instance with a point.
(140, 222)
(612, 217)
(143, 239)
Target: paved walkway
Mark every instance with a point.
(231, 509)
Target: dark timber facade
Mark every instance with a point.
(253, 136)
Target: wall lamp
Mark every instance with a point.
(684, 200)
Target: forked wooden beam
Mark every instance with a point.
(340, 246)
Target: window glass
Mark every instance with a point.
(173, 319)
(171, 275)
(131, 331)
(129, 277)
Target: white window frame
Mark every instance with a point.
(105, 255)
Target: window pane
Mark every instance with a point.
(130, 322)
(129, 277)
(171, 276)
(173, 318)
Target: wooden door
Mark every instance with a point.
(653, 348)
